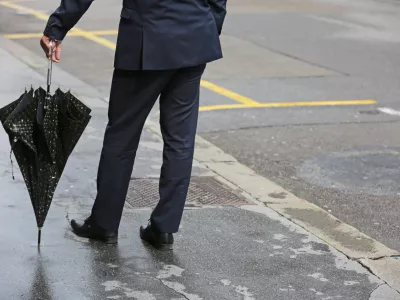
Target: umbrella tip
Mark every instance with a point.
(39, 235)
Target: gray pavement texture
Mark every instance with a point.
(221, 253)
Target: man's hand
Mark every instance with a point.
(51, 48)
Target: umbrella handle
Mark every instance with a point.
(49, 70)
(49, 75)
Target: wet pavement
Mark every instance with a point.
(220, 254)
(247, 252)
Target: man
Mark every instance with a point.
(162, 49)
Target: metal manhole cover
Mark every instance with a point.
(202, 191)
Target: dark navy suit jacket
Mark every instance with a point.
(155, 34)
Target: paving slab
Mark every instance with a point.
(388, 265)
(383, 292)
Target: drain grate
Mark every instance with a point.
(202, 191)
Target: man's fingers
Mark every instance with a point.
(45, 43)
(57, 55)
(44, 46)
(52, 49)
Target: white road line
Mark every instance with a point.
(389, 111)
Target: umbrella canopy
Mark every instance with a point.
(43, 131)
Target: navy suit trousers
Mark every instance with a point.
(133, 94)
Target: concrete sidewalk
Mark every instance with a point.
(231, 246)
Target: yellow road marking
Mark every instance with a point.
(33, 12)
(227, 93)
(94, 38)
(287, 104)
(15, 36)
(41, 16)
(245, 102)
(104, 32)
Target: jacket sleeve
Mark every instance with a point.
(218, 8)
(65, 17)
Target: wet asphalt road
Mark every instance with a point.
(343, 158)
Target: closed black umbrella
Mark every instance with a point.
(43, 130)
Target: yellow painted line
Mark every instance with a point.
(15, 36)
(94, 38)
(288, 104)
(33, 12)
(227, 93)
(104, 32)
(41, 16)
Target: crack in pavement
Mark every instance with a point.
(385, 256)
(383, 281)
(373, 291)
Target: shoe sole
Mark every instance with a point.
(109, 241)
(164, 247)
(160, 247)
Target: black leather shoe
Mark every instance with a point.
(159, 240)
(92, 231)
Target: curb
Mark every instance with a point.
(314, 219)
